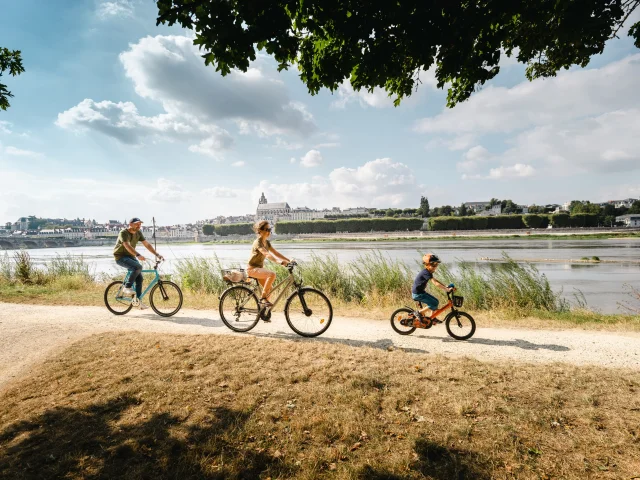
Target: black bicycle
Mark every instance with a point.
(308, 311)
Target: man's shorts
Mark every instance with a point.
(426, 298)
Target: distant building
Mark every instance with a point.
(495, 210)
(271, 211)
(477, 206)
(631, 220)
(627, 202)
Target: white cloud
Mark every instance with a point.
(221, 192)
(570, 95)
(239, 163)
(369, 184)
(169, 191)
(115, 8)
(313, 158)
(326, 145)
(5, 127)
(293, 160)
(379, 98)
(171, 71)
(18, 152)
(473, 158)
(514, 171)
(123, 122)
(607, 143)
(280, 143)
(214, 145)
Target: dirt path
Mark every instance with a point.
(30, 333)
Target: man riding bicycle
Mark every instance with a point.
(126, 256)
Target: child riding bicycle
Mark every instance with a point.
(418, 291)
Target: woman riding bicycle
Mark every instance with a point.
(260, 250)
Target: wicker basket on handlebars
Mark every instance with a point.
(457, 300)
(235, 275)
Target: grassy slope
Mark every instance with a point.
(237, 407)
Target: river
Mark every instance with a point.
(603, 285)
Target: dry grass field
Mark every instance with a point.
(134, 406)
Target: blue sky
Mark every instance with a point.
(116, 117)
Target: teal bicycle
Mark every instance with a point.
(165, 297)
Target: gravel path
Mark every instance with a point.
(30, 333)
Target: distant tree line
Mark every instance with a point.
(514, 222)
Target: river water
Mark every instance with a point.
(603, 285)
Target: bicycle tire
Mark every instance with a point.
(128, 305)
(405, 330)
(158, 287)
(232, 295)
(456, 315)
(325, 319)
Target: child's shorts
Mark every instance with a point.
(426, 298)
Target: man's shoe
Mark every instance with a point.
(128, 292)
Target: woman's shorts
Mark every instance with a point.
(426, 298)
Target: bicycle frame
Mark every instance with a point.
(284, 284)
(155, 280)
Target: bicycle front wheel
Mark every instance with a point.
(166, 298)
(239, 309)
(308, 312)
(114, 300)
(460, 325)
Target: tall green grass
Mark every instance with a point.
(20, 268)
(375, 279)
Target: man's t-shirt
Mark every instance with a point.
(257, 258)
(420, 283)
(126, 236)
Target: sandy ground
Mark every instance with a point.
(30, 333)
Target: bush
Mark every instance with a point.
(583, 220)
(234, 229)
(208, 229)
(560, 220)
(535, 221)
(351, 225)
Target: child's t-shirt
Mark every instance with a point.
(420, 283)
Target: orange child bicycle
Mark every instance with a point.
(460, 325)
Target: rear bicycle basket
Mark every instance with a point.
(457, 300)
(234, 275)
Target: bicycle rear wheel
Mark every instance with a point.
(308, 312)
(460, 325)
(115, 302)
(166, 298)
(239, 309)
(402, 314)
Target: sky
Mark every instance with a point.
(116, 117)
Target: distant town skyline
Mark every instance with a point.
(115, 116)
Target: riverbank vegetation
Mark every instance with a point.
(202, 406)
(370, 286)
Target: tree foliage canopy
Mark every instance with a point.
(388, 44)
(11, 61)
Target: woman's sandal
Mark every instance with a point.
(266, 303)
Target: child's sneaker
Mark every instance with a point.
(128, 292)
(143, 306)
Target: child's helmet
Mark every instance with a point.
(430, 258)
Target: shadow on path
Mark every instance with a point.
(204, 322)
(524, 344)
